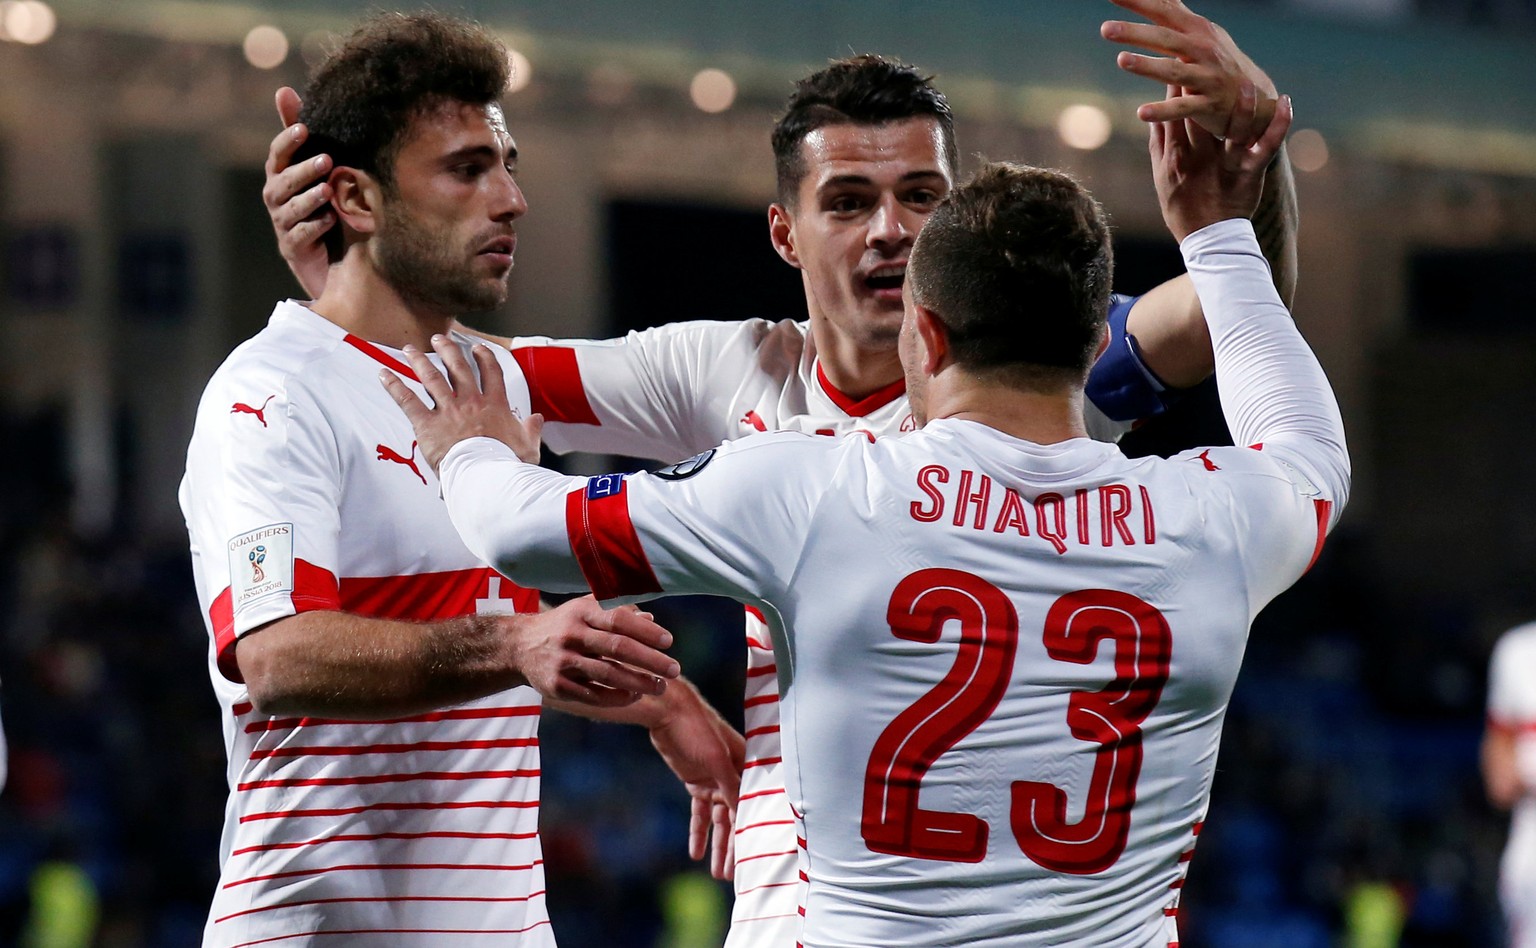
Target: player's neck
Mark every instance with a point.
(362, 302)
(856, 372)
(1037, 416)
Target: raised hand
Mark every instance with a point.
(462, 407)
(1198, 57)
(293, 198)
(1201, 180)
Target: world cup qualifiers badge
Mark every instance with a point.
(257, 557)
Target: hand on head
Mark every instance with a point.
(462, 407)
(296, 197)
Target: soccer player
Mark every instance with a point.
(864, 152)
(1509, 774)
(381, 686)
(1007, 649)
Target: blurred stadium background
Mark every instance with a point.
(134, 253)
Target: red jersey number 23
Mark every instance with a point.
(1110, 718)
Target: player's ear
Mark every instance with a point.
(357, 197)
(935, 337)
(781, 232)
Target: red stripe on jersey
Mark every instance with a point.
(760, 700)
(1510, 727)
(755, 613)
(429, 596)
(360, 781)
(393, 748)
(368, 808)
(762, 762)
(373, 866)
(761, 670)
(554, 384)
(396, 931)
(787, 852)
(389, 899)
(760, 731)
(753, 826)
(456, 714)
(761, 793)
(606, 546)
(380, 356)
(370, 837)
(1323, 508)
(858, 408)
(768, 885)
(241, 709)
(314, 589)
(754, 643)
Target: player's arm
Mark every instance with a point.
(334, 664)
(1206, 74)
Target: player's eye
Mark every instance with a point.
(923, 197)
(845, 204)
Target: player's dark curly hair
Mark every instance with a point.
(1017, 264)
(859, 90)
(363, 97)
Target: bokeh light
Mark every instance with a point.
(1308, 150)
(27, 21)
(1084, 127)
(265, 47)
(522, 71)
(712, 90)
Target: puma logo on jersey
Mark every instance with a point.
(386, 453)
(1205, 458)
(755, 420)
(241, 408)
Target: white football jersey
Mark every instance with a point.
(1512, 708)
(305, 491)
(674, 391)
(1003, 665)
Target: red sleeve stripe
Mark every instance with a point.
(1323, 508)
(756, 613)
(372, 779)
(389, 807)
(606, 546)
(386, 898)
(314, 589)
(762, 762)
(761, 670)
(554, 384)
(760, 700)
(768, 885)
(787, 852)
(753, 826)
(760, 731)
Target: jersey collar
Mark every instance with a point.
(858, 408)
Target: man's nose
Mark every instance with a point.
(510, 202)
(889, 225)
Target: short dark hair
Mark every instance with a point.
(1016, 263)
(858, 90)
(363, 97)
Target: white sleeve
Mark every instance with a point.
(651, 394)
(261, 498)
(730, 522)
(1273, 391)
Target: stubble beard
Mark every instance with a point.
(423, 265)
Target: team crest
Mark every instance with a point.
(686, 469)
